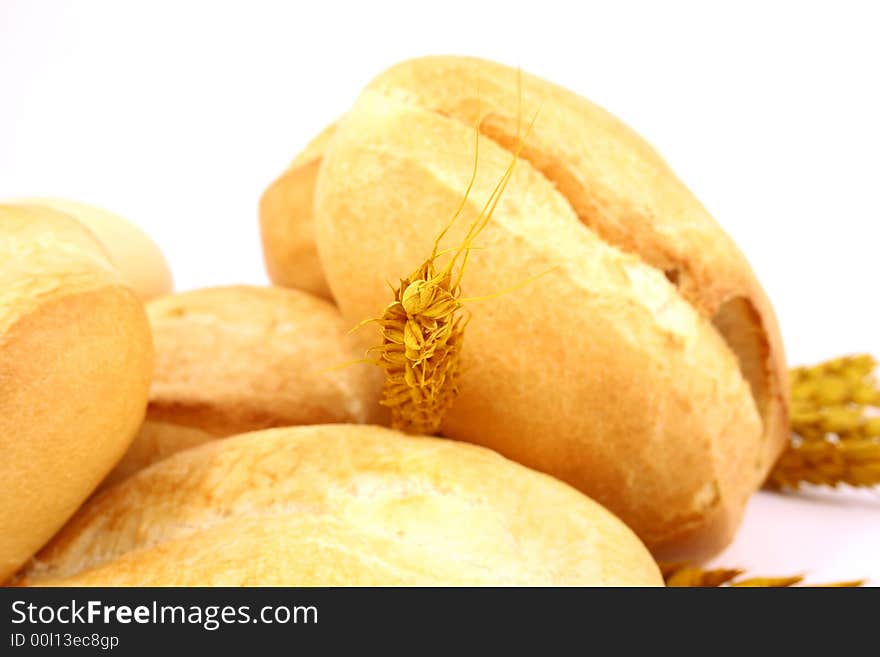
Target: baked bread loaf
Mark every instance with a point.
(286, 224)
(134, 254)
(75, 364)
(646, 368)
(242, 358)
(341, 505)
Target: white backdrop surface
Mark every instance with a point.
(178, 114)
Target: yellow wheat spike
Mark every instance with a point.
(828, 463)
(835, 423)
(688, 575)
(422, 329)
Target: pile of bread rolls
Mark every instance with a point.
(620, 409)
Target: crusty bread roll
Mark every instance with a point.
(75, 364)
(646, 368)
(341, 505)
(286, 224)
(135, 255)
(242, 358)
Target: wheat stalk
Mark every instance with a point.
(835, 423)
(828, 463)
(421, 344)
(422, 329)
(688, 575)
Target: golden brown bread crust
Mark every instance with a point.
(241, 358)
(621, 188)
(134, 254)
(75, 363)
(646, 369)
(341, 505)
(286, 224)
(613, 180)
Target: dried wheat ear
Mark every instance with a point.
(835, 422)
(687, 575)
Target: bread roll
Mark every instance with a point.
(646, 369)
(241, 358)
(286, 224)
(75, 364)
(341, 505)
(135, 255)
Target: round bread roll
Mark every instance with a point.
(135, 255)
(341, 505)
(286, 225)
(242, 358)
(75, 364)
(646, 368)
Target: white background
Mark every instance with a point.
(177, 115)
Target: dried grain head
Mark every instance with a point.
(654, 392)
(835, 426)
(422, 329)
(420, 350)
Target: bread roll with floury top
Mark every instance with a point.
(646, 369)
(75, 366)
(341, 505)
(132, 251)
(286, 222)
(241, 358)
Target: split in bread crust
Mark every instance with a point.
(131, 251)
(242, 358)
(647, 370)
